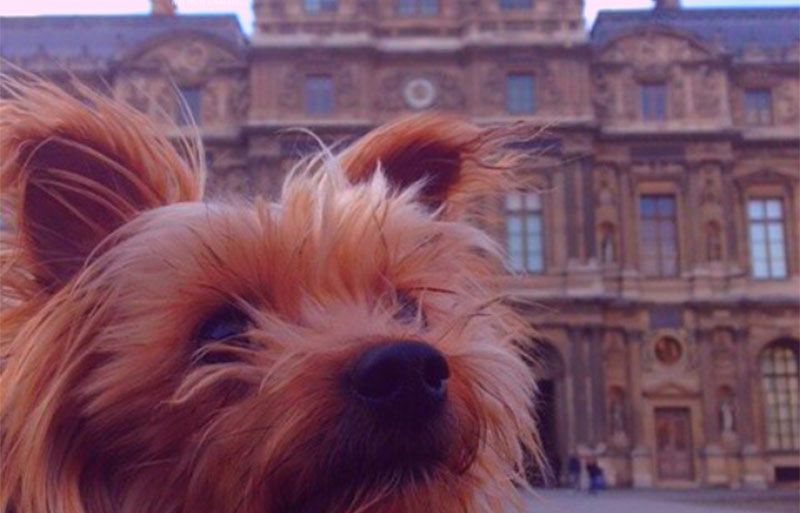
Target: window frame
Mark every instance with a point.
(312, 97)
(514, 5)
(659, 219)
(766, 221)
(321, 7)
(780, 393)
(190, 105)
(648, 102)
(762, 114)
(417, 8)
(511, 107)
(523, 213)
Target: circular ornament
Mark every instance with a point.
(419, 93)
(668, 350)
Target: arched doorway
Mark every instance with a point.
(550, 414)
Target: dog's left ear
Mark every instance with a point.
(454, 159)
(73, 170)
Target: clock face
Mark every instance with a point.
(419, 93)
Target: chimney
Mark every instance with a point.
(664, 5)
(162, 7)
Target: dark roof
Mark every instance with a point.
(733, 29)
(104, 38)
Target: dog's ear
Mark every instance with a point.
(74, 170)
(454, 159)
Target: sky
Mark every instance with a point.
(244, 10)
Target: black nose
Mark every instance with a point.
(404, 378)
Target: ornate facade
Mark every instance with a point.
(658, 250)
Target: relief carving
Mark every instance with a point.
(786, 104)
(290, 97)
(493, 88)
(707, 93)
(603, 97)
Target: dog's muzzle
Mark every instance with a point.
(402, 381)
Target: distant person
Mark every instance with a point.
(596, 478)
(574, 472)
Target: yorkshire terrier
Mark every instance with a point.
(341, 350)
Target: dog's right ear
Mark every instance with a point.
(73, 171)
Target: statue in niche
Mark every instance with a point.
(605, 196)
(617, 416)
(709, 192)
(603, 98)
(727, 419)
(713, 242)
(607, 246)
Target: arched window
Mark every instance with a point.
(779, 383)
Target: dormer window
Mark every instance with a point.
(516, 4)
(654, 101)
(758, 106)
(189, 107)
(320, 6)
(417, 7)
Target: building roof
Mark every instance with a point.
(105, 38)
(733, 30)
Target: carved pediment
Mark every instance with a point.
(682, 388)
(767, 176)
(190, 58)
(651, 48)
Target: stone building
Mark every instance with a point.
(658, 251)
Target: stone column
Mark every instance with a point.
(641, 456)
(579, 373)
(715, 470)
(597, 378)
(753, 472)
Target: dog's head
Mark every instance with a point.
(341, 350)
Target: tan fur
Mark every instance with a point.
(105, 406)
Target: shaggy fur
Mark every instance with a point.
(110, 262)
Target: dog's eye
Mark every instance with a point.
(228, 323)
(408, 311)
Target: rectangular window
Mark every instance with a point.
(320, 6)
(767, 247)
(189, 106)
(418, 7)
(524, 232)
(516, 4)
(658, 237)
(519, 93)
(654, 101)
(758, 106)
(319, 95)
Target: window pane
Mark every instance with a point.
(532, 201)
(319, 94)
(647, 206)
(760, 269)
(514, 225)
(779, 269)
(189, 106)
(519, 94)
(758, 233)
(774, 209)
(756, 209)
(666, 206)
(513, 201)
(775, 233)
(429, 7)
(535, 263)
(534, 222)
(779, 376)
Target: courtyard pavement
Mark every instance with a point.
(673, 501)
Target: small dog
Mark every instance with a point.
(338, 351)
